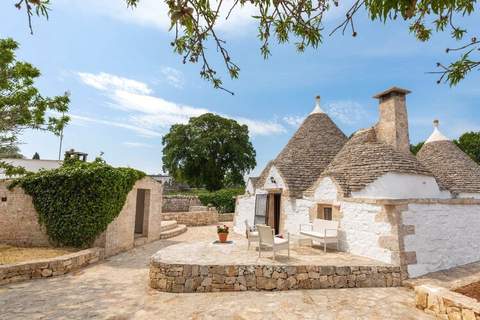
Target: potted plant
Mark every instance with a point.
(222, 232)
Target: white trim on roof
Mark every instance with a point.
(436, 135)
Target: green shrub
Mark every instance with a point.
(223, 200)
(77, 201)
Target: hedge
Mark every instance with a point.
(77, 201)
(223, 200)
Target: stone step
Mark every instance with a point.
(181, 228)
(140, 241)
(168, 225)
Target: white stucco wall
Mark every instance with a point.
(297, 212)
(250, 189)
(402, 186)
(326, 190)
(279, 183)
(445, 236)
(359, 233)
(244, 210)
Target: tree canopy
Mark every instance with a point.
(210, 151)
(21, 104)
(469, 142)
(194, 24)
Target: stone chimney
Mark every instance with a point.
(392, 127)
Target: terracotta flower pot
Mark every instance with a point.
(222, 236)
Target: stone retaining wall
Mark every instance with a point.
(209, 278)
(179, 203)
(225, 217)
(49, 267)
(192, 218)
(446, 304)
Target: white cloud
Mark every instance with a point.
(105, 81)
(152, 113)
(137, 144)
(294, 121)
(174, 77)
(140, 130)
(261, 127)
(346, 112)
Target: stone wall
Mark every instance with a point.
(361, 230)
(49, 267)
(18, 219)
(179, 203)
(209, 278)
(446, 304)
(444, 235)
(192, 218)
(120, 233)
(225, 217)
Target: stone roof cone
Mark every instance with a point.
(308, 152)
(365, 158)
(453, 168)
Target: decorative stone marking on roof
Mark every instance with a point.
(317, 108)
(436, 135)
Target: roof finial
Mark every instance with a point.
(436, 135)
(317, 108)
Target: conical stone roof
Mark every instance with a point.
(453, 169)
(308, 153)
(364, 159)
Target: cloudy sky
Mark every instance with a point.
(128, 87)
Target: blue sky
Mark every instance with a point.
(128, 87)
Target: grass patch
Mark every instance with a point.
(11, 254)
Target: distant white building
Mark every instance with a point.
(419, 212)
(30, 165)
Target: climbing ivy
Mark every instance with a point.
(77, 201)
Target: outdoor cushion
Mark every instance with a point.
(317, 234)
(278, 240)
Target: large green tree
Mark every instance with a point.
(194, 24)
(21, 104)
(469, 142)
(210, 151)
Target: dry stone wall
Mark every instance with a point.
(192, 218)
(446, 304)
(49, 267)
(212, 278)
(179, 203)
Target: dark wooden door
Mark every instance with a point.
(273, 209)
(140, 211)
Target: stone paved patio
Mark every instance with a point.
(118, 289)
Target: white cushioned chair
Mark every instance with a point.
(252, 236)
(267, 238)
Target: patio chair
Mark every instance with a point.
(267, 238)
(252, 236)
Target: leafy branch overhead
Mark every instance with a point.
(195, 25)
(22, 106)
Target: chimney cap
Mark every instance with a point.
(394, 90)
